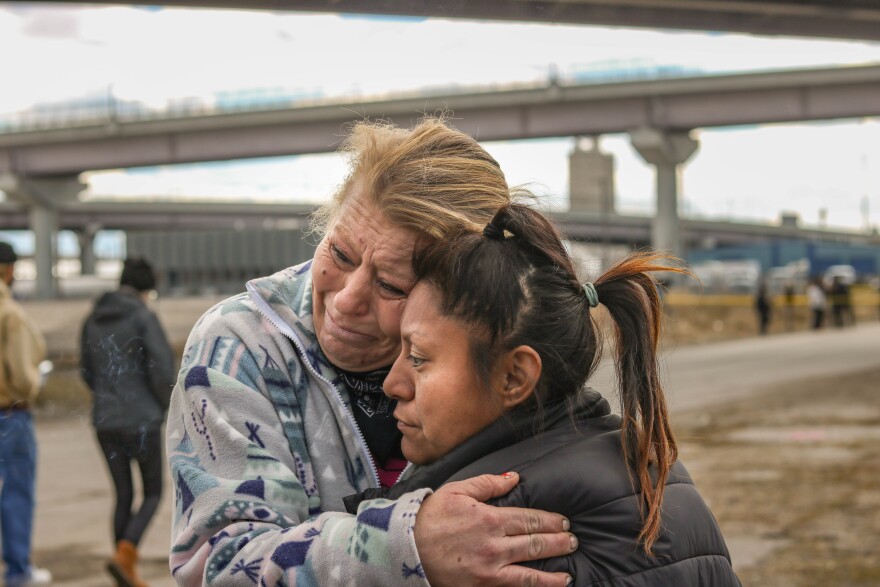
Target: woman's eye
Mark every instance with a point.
(416, 361)
(395, 291)
(337, 252)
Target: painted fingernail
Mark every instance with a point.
(508, 475)
(573, 541)
(565, 524)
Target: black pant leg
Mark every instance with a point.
(113, 445)
(151, 461)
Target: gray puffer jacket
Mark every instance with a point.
(127, 362)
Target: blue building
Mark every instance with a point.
(821, 255)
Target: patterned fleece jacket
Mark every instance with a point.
(263, 447)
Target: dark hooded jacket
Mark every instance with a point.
(573, 464)
(127, 363)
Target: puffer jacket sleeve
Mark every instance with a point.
(86, 356)
(160, 359)
(247, 506)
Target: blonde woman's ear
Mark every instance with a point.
(519, 371)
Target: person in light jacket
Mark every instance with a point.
(22, 348)
(817, 299)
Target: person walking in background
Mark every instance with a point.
(129, 366)
(763, 306)
(877, 284)
(22, 348)
(817, 300)
(841, 303)
(789, 306)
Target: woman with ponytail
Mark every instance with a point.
(499, 339)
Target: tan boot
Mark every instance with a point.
(122, 565)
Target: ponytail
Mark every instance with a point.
(515, 283)
(631, 296)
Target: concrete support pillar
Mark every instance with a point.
(44, 223)
(591, 179)
(666, 151)
(42, 197)
(666, 227)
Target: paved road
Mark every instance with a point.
(709, 374)
(73, 514)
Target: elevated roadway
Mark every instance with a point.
(494, 113)
(848, 19)
(583, 226)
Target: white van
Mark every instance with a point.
(846, 273)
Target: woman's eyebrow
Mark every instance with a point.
(412, 337)
(341, 231)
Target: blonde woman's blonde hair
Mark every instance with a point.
(432, 178)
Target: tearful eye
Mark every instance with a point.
(391, 289)
(342, 257)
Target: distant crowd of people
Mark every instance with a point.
(820, 297)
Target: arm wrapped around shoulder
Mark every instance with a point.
(247, 507)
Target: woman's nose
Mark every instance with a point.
(354, 297)
(397, 384)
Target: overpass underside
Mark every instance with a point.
(847, 19)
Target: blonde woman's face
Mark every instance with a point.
(361, 277)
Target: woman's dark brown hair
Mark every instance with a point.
(516, 285)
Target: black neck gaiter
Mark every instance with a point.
(373, 411)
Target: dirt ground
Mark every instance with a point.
(794, 480)
(791, 476)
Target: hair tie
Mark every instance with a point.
(592, 294)
(493, 231)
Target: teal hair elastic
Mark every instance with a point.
(592, 294)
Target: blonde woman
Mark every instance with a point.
(279, 410)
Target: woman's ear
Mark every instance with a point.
(517, 377)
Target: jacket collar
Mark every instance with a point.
(288, 294)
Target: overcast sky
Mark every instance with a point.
(151, 54)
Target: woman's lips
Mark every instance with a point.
(401, 425)
(337, 331)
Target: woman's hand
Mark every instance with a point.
(463, 541)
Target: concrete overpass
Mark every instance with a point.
(849, 19)
(82, 217)
(41, 168)
(489, 113)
